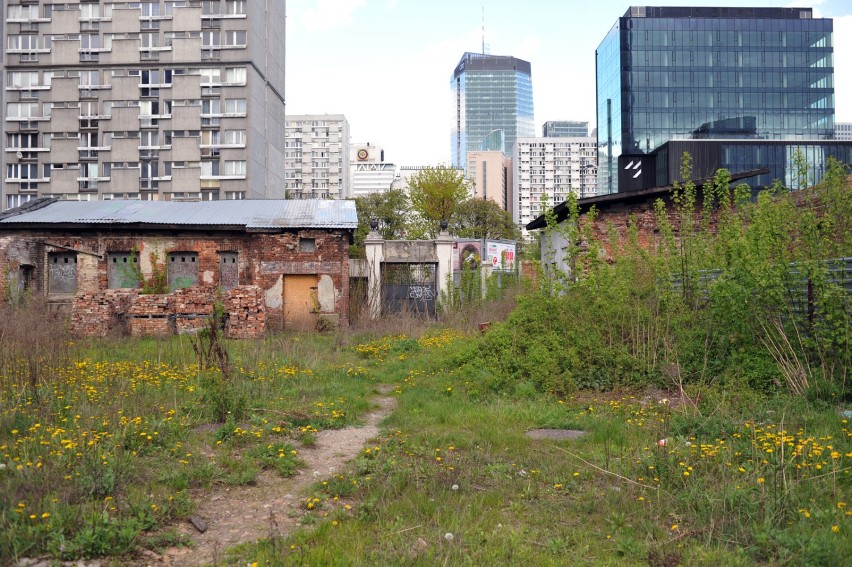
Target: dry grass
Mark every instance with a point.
(34, 339)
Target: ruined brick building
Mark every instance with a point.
(276, 264)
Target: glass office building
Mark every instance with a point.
(687, 73)
(490, 93)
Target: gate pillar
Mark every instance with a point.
(374, 246)
(444, 252)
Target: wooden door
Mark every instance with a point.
(300, 302)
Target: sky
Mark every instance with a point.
(386, 64)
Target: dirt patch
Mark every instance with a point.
(555, 434)
(272, 506)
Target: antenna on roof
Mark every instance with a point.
(483, 29)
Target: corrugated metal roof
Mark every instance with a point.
(251, 214)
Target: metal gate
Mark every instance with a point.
(409, 288)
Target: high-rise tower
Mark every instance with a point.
(740, 88)
(491, 93)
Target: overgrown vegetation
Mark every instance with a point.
(158, 281)
(708, 377)
(738, 292)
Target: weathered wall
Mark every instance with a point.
(262, 260)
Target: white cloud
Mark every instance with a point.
(326, 15)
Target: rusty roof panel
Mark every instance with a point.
(251, 214)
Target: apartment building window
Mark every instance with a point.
(22, 80)
(90, 11)
(211, 107)
(236, 38)
(211, 8)
(149, 40)
(169, 7)
(211, 138)
(22, 110)
(94, 170)
(211, 39)
(16, 172)
(22, 13)
(210, 168)
(27, 43)
(235, 137)
(235, 75)
(148, 170)
(150, 9)
(148, 109)
(235, 7)
(211, 77)
(235, 195)
(89, 46)
(235, 106)
(235, 167)
(21, 141)
(149, 139)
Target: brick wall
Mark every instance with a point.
(246, 311)
(617, 220)
(124, 311)
(264, 260)
(101, 313)
(149, 315)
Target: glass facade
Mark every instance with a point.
(746, 155)
(491, 93)
(711, 73)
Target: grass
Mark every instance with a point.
(100, 455)
(767, 483)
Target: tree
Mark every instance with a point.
(390, 209)
(483, 218)
(435, 192)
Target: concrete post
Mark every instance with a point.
(374, 245)
(484, 273)
(444, 252)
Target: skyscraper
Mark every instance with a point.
(491, 93)
(749, 86)
(565, 129)
(142, 100)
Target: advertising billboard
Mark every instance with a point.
(501, 255)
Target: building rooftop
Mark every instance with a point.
(252, 215)
(562, 209)
(788, 13)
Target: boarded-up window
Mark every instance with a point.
(229, 270)
(123, 269)
(25, 277)
(62, 272)
(182, 269)
(307, 245)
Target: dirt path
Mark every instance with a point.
(272, 506)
